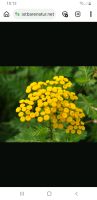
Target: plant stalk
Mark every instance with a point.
(50, 131)
(91, 121)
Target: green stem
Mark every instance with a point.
(91, 121)
(51, 132)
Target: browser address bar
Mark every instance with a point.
(34, 13)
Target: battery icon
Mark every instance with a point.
(90, 13)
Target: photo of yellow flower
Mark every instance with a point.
(52, 101)
(48, 104)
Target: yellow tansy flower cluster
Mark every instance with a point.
(51, 101)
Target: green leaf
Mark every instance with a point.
(61, 136)
(84, 76)
(86, 103)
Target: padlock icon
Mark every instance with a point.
(65, 14)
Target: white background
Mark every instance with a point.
(40, 193)
(58, 6)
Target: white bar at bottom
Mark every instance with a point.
(48, 193)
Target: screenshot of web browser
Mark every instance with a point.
(56, 104)
(48, 11)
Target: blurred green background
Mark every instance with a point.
(13, 82)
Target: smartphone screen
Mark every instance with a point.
(48, 109)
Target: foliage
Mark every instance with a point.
(13, 82)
